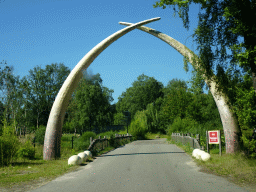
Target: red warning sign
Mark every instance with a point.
(213, 137)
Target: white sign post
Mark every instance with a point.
(213, 137)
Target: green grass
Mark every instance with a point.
(23, 173)
(237, 168)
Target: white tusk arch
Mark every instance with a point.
(53, 132)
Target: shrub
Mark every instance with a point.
(9, 145)
(186, 125)
(27, 151)
(176, 127)
(138, 125)
(86, 136)
(67, 127)
(250, 145)
(83, 142)
(39, 134)
(112, 140)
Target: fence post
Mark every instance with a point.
(207, 142)
(34, 142)
(220, 143)
(72, 142)
(198, 138)
(100, 142)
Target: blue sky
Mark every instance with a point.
(36, 32)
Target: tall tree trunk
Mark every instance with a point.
(55, 122)
(228, 118)
(37, 120)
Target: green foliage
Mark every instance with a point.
(175, 105)
(40, 134)
(68, 127)
(246, 108)
(112, 140)
(153, 120)
(220, 25)
(173, 85)
(80, 144)
(250, 145)
(138, 127)
(119, 119)
(27, 151)
(73, 152)
(197, 82)
(90, 106)
(9, 145)
(65, 137)
(186, 125)
(136, 98)
(83, 142)
(86, 136)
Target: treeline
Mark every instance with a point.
(27, 102)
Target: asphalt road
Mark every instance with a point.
(143, 165)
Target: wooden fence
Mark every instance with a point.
(185, 138)
(104, 142)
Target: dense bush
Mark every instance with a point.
(83, 142)
(153, 120)
(138, 126)
(112, 140)
(249, 145)
(39, 135)
(26, 151)
(68, 127)
(9, 145)
(86, 136)
(186, 125)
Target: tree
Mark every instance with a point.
(136, 98)
(221, 25)
(228, 118)
(176, 101)
(174, 84)
(231, 20)
(90, 106)
(26, 111)
(12, 96)
(197, 83)
(43, 86)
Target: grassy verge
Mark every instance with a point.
(235, 167)
(25, 175)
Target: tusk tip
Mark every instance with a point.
(123, 23)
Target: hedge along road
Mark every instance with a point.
(142, 165)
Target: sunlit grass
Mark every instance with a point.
(23, 171)
(236, 167)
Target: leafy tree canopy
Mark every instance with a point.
(143, 91)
